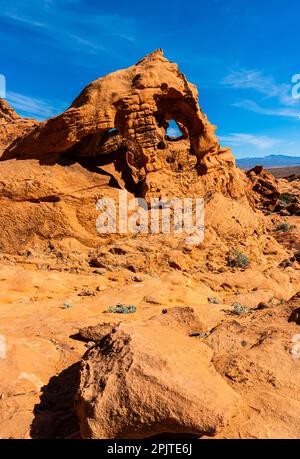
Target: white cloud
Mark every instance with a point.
(66, 32)
(23, 20)
(258, 141)
(174, 132)
(32, 107)
(253, 106)
(266, 85)
(280, 94)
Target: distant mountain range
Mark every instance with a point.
(269, 161)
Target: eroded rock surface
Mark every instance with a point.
(12, 126)
(125, 115)
(140, 381)
(259, 355)
(268, 196)
(222, 325)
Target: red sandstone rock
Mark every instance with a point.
(140, 381)
(50, 249)
(12, 126)
(125, 115)
(266, 193)
(259, 355)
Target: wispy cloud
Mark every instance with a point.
(271, 98)
(32, 107)
(22, 20)
(84, 39)
(173, 132)
(264, 84)
(115, 25)
(73, 30)
(253, 106)
(258, 141)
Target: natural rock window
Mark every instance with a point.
(135, 126)
(173, 132)
(112, 131)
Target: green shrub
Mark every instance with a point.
(122, 309)
(237, 259)
(239, 309)
(213, 300)
(283, 227)
(287, 198)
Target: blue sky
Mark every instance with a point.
(240, 54)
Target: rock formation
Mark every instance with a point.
(12, 126)
(258, 354)
(139, 381)
(124, 116)
(267, 195)
(205, 337)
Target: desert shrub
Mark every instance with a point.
(287, 198)
(213, 300)
(283, 227)
(237, 259)
(239, 309)
(122, 309)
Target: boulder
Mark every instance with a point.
(148, 378)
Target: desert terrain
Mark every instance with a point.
(290, 173)
(139, 335)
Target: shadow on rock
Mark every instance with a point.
(54, 415)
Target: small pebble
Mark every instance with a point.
(86, 293)
(137, 278)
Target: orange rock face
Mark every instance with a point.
(12, 126)
(134, 383)
(259, 356)
(125, 115)
(213, 346)
(268, 196)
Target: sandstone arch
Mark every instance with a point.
(126, 113)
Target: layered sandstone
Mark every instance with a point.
(139, 381)
(12, 126)
(206, 337)
(268, 193)
(125, 115)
